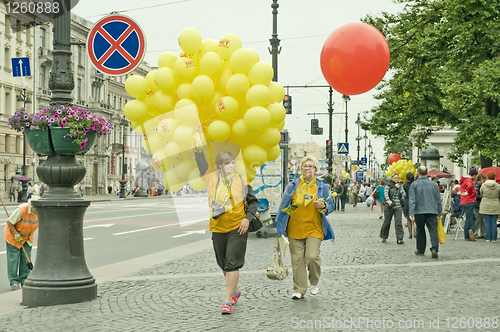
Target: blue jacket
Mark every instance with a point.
(455, 206)
(323, 193)
(424, 197)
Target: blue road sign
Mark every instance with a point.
(364, 160)
(343, 148)
(21, 67)
(359, 176)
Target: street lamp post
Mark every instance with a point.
(123, 194)
(346, 99)
(366, 138)
(25, 100)
(370, 153)
(358, 138)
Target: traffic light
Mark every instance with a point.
(328, 149)
(287, 104)
(315, 129)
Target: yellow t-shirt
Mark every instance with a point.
(227, 221)
(306, 220)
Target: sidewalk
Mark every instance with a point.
(366, 285)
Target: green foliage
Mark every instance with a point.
(445, 68)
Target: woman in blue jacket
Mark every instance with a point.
(302, 217)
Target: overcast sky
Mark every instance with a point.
(303, 27)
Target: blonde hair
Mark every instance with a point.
(310, 158)
(223, 157)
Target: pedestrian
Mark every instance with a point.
(468, 201)
(30, 190)
(393, 206)
(380, 198)
(336, 200)
(82, 188)
(479, 232)
(19, 190)
(304, 206)
(490, 206)
(456, 209)
(229, 221)
(110, 189)
(19, 230)
(424, 208)
(12, 190)
(368, 190)
(361, 193)
(342, 194)
(354, 193)
(409, 179)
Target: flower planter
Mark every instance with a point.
(66, 146)
(39, 141)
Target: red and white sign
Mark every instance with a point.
(116, 45)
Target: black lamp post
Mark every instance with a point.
(366, 138)
(25, 100)
(124, 124)
(370, 153)
(358, 138)
(346, 99)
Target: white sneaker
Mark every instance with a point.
(314, 289)
(297, 296)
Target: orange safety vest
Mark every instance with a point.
(26, 227)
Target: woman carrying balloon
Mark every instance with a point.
(393, 195)
(302, 217)
(229, 221)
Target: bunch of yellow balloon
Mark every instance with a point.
(402, 167)
(217, 88)
(345, 174)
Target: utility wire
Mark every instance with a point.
(140, 8)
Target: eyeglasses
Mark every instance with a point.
(308, 166)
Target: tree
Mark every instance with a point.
(445, 66)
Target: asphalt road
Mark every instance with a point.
(116, 231)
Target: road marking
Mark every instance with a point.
(143, 229)
(95, 226)
(186, 233)
(126, 217)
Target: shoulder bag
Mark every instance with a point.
(376, 194)
(255, 222)
(277, 269)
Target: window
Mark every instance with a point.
(80, 56)
(41, 80)
(18, 28)
(120, 104)
(8, 103)
(28, 34)
(7, 25)
(42, 38)
(78, 89)
(114, 102)
(7, 58)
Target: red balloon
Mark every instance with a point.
(355, 58)
(393, 158)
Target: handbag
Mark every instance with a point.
(376, 194)
(441, 232)
(277, 269)
(255, 222)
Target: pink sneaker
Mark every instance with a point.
(236, 297)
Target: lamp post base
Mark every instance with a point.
(123, 193)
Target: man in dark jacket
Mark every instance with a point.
(468, 202)
(424, 208)
(479, 225)
(342, 192)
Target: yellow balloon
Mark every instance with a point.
(228, 44)
(280, 125)
(187, 112)
(160, 162)
(241, 61)
(219, 131)
(154, 141)
(165, 78)
(237, 85)
(277, 112)
(261, 73)
(195, 181)
(268, 137)
(185, 68)
(388, 173)
(273, 152)
(347, 176)
(150, 78)
(172, 182)
(277, 92)
(145, 126)
(190, 41)
(250, 172)
(184, 91)
(334, 194)
(166, 129)
(135, 110)
(258, 95)
(223, 78)
(241, 131)
(211, 64)
(136, 86)
(184, 168)
(227, 107)
(167, 59)
(257, 117)
(183, 134)
(163, 102)
(203, 88)
(208, 45)
(254, 155)
(255, 55)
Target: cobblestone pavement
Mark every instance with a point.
(366, 285)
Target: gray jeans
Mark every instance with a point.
(388, 213)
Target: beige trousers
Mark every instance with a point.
(305, 253)
(380, 209)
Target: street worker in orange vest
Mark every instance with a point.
(19, 231)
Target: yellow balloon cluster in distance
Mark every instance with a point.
(402, 167)
(212, 91)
